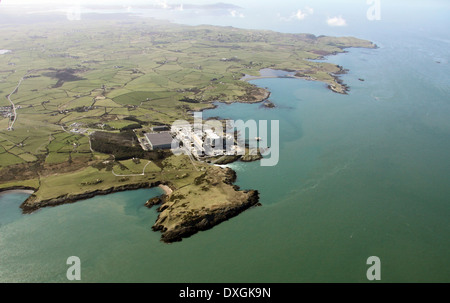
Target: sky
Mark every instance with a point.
(330, 17)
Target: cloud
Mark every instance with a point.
(162, 4)
(300, 14)
(234, 13)
(337, 21)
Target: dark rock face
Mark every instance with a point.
(230, 176)
(226, 159)
(155, 201)
(18, 187)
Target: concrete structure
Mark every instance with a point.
(205, 144)
(159, 140)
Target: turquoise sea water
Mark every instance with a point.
(364, 174)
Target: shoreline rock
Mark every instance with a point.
(268, 104)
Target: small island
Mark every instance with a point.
(268, 104)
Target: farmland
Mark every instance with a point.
(63, 84)
(97, 73)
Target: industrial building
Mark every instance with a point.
(204, 144)
(159, 140)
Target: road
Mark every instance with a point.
(11, 123)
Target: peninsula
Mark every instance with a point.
(80, 97)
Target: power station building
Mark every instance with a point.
(159, 140)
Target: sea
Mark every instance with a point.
(359, 175)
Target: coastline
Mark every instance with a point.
(338, 86)
(32, 204)
(333, 87)
(212, 199)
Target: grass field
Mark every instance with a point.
(132, 167)
(178, 172)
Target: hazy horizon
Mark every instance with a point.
(316, 17)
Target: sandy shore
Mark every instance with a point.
(14, 191)
(167, 190)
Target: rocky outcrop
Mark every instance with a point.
(227, 159)
(210, 200)
(250, 158)
(268, 104)
(155, 201)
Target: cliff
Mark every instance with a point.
(211, 200)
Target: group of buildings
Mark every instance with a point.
(200, 144)
(78, 128)
(6, 111)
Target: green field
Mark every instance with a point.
(132, 167)
(178, 171)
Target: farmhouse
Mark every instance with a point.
(159, 140)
